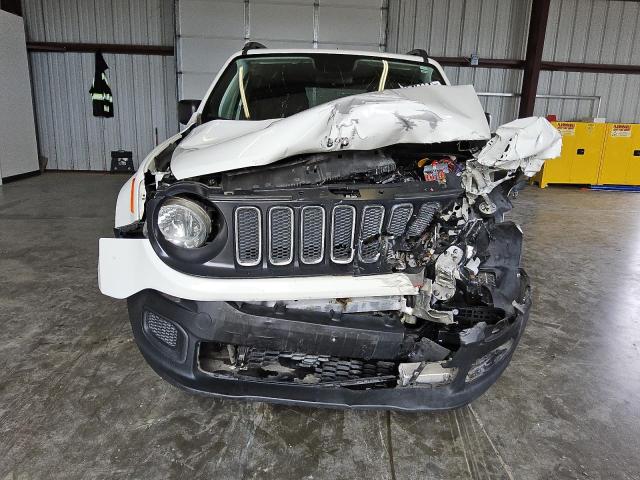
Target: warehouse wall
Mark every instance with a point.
(591, 31)
(210, 31)
(144, 87)
(459, 28)
(490, 28)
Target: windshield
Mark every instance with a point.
(277, 86)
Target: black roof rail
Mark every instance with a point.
(251, 46)
(420, 52)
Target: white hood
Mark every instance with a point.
(524, 143)
(423, 114)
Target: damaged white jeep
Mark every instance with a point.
(328, 230)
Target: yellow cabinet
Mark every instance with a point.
(621, 158)
(579, 161)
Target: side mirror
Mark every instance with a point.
(186, 108)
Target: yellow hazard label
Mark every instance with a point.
(621, 130)
(566, 128)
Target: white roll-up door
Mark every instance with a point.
(210, 31)
(18, 150)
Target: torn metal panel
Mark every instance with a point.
(422, 114)
(524, 143)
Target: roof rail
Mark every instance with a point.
(420, 52)
(251, 46)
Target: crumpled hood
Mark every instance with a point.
(524, 143)
(422, 114)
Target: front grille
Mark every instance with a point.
(307, 232)
(342, 226)
(280, 235)
(370, 229)
(423, 219)
(400, 215)
(162, 329)
(312, 231)
(248, 236)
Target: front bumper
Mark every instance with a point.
(196, 322)
(128, 266)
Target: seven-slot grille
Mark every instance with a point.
(315, 223)
(370, 229)
(312, 230)
(343, 223)
(400, 215)
(248, 236)
(280, 235)
(423, 219)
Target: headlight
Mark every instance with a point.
(184, 223)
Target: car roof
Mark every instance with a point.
(368, 53)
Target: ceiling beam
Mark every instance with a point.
(589, 67)
(482, 62)
(100, 47)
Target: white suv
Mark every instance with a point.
(328, 230)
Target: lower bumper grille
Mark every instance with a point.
(323, 367)
(161, 329)
(296, 367)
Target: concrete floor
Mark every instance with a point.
(78, 401)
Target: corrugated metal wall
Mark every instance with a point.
(459, 28)
(594, 31)
(591, 31)
(144, 87)
(490, 28)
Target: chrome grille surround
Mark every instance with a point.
(280, 235)
(343, 222)
(286, 237)
(399, 218)
(312, 232)
(423, 219)
(370, 230)
(248, 236)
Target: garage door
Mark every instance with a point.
(209, 31)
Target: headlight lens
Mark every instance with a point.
(184, 223)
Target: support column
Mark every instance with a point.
(533, 60)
